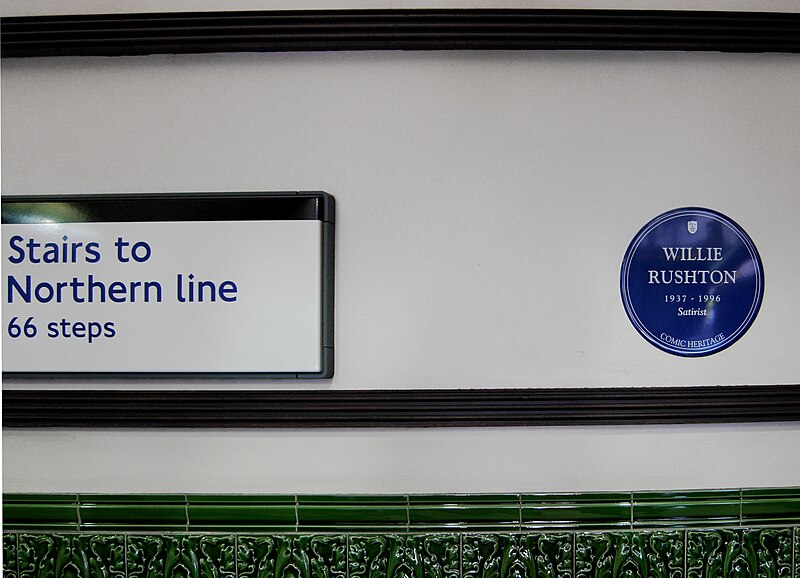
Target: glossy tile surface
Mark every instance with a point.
(179, 556)
(401, 513)
(454, 516)
(590, 511)
(630, 555)
(765, 506)
(71, 556)
(352, 516)
(404, 556)
(242, 518)
(708, 553)
(765, 553)
(706, 508)
(291, 557)
(9, 555)
(40, 511)
(518, 555)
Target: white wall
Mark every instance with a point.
(416, 461)
(40, 7)
(484, 202)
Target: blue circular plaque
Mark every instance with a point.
(692, 282)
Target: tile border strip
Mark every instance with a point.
(406, 513)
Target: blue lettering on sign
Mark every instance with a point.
(692, 282)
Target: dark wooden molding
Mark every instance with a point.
(399, 408)
(175, 33)
(429, 29)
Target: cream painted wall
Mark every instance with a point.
(554, 459)
(485, 201)
(39, 7)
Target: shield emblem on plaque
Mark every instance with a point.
(692, 227)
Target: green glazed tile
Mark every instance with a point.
(352, 516)
(240, 499)
(71, 556)
(577, 498)
(517, 555)
(358, 528)
(630, 555)
(244, 516)
(755, 493)
(464, 516)
(291, 557)
(9, 556)
(464, 499)
(347, 499)
(579, 515)
(181, 556)
(146, 499)
(686, 514)
(739, 553)
(70, 499)
(39, 516)
(771, 510)
(133, 516)
(399, 556)
(686, 496)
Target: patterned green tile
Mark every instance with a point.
(739, 553)
(398, 556)
(796, 552)
(181, 556)
(291, 557)
(707, 508)
(517, 555)
(630, 555)
(588, 511)
(71, 556)
(9, 555)
(40, 512)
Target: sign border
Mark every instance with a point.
(209, 207)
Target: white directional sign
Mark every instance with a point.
(187, 296)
